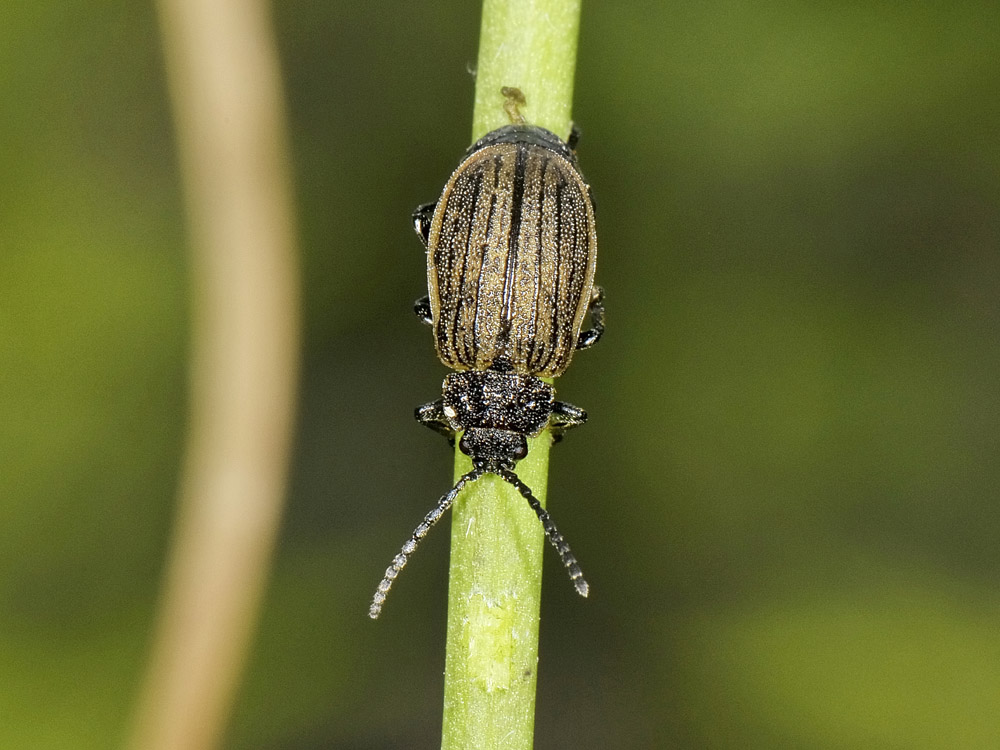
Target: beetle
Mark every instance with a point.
(511, 256)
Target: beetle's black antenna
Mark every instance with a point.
(399, 561)
(572, 566)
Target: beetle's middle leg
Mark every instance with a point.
(590, 337)
(432, 415)
(422, 309)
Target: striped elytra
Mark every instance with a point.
(512, 251)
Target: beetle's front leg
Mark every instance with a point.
(564, 417)
(432, 415)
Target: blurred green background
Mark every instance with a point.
(785, 500)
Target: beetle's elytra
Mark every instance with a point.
(512, 250)
(511, 254)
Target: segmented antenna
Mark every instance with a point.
(557, 540)
(572, 567)
(399, 561)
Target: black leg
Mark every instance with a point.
(422, 216)
(432, 415)
(590, 337)
(422, 308)
(564, 417)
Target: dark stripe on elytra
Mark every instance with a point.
(540, 218)
(513, 240)
(472, 358)
(533, 347)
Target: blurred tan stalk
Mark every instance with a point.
(225, 86)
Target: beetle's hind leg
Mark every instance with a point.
(574, 136)
(590, 337)
(432, 415)
(564, 417)
(422, 216)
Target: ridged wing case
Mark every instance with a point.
(512, 252)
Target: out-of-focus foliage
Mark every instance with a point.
(786, 499)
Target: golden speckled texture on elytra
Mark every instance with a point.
(511, 259)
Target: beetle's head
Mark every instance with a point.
(491, 449)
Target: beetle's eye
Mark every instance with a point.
(520, 451)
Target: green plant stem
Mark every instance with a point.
(530, 45)
(497, 542)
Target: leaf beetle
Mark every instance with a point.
(511, 256)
